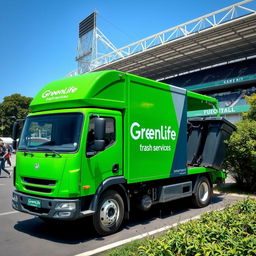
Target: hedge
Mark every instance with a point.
(228, 232)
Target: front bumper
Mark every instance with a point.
(49, 207)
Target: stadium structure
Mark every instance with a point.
(214, 54)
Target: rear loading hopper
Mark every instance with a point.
(206, 141)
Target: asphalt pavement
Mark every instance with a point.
(24, 235)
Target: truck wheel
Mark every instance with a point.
(110, 213)
(203, 193)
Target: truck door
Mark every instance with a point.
(103, 161)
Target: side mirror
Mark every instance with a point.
(14, 144)
(100, 127)
(99, 133)
(98, 144)
(15, 131)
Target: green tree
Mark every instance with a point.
(251, 114)
(13, 107)
(240, 159)
(241, 155)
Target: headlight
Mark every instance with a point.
(66, 206)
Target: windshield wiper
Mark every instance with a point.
(53, 152)
(26, 152)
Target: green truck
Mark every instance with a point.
(106, 142)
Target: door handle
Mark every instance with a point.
(115, 168)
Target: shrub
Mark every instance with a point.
(240, 158)
(228, 232)
(241, 153)
(251, 114)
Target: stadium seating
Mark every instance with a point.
(231, 99)
(224, 72)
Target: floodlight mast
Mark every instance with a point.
(90, 43)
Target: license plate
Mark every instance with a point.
(34, 202)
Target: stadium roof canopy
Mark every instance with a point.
(218, 37)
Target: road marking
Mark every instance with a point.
(128, 240)
(7, 213)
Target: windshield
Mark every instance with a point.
(56, 132)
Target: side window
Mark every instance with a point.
(109, 136)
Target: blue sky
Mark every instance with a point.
(38, 39)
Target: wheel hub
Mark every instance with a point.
(109, 212)
(203, 192)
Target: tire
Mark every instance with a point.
(110, 213)
(203, 192)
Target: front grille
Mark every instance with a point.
(43, 190)
(39, 181)
(35, 209)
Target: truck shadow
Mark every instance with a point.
(81, 231)
(74, 232)
(171, 209)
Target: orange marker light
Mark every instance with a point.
(86, 187)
